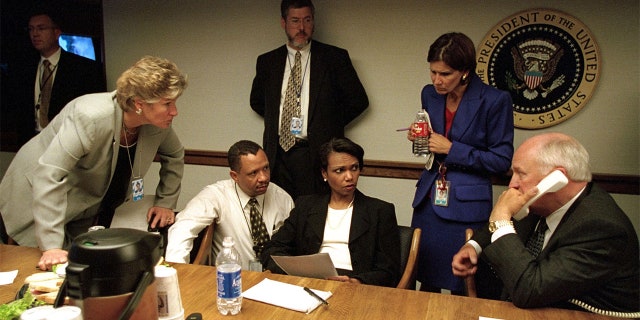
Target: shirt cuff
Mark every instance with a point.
(476, 246)
(504, 230)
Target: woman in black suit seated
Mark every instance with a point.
(359, 233)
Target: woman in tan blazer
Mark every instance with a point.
(83, 164)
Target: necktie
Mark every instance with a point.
(258, 228)
(535, 242)
(45, 94)
(291, 101)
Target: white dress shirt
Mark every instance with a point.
(553, 220)
(228, 205)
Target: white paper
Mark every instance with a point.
(285, 295)
(8, 277)
(317, 265)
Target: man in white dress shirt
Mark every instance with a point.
(227, 203)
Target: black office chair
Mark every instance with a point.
(409, 246)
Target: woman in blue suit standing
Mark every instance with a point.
(472, 139)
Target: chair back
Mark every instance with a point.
(201, 251)
(470, 281)
(409, 246)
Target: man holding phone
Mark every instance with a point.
(576, 243)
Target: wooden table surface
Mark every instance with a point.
(349, 301)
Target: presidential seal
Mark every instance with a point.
(548, 60)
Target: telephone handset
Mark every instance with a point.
(553, 182)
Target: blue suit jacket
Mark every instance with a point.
(482, 137)
(374, 239)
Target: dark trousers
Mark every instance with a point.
(297, 171)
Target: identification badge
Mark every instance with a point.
(137, 186)
(296, 125)
(442, 193)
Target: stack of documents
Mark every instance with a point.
(285, 295)
(317, 265)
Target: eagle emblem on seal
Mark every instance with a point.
(534, 64)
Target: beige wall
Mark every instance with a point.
(216, 43)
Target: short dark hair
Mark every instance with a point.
(456, 50)
(46, 9)
(296, 4)
(342, 145)
(238, 149)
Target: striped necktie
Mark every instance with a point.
(258, 228)
(45, 93)
(291, 102)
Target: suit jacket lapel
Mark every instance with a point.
(318, 217)
(436, 112)
(360, 218)
(467, 111)
(117, 119)
(275, 87)
(568, 216)
(315, 74)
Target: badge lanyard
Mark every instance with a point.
(298, 120)
(442, 185)
(137, 184)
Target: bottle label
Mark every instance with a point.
(229, 284)
(419, 129)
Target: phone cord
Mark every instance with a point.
(609, 313)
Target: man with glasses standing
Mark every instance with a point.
(42, 84)
(307, 92)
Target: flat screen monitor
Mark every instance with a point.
(80, 45)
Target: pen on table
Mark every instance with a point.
(403, 129)
(313, 294)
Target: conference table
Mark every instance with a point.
(349, 301)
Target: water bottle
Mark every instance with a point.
(420, 130)
(229, 279)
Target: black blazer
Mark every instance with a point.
(336, 96)
(592, 256)
(374, 240)
(75, 76)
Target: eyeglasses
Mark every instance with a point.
(296, 21)
(39, 28)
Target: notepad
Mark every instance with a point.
(285, 295)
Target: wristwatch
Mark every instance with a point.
(494, 225)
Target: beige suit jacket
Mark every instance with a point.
(54, 186)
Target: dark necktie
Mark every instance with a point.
(45, 93)
(535, 242)
(258, 228)
(291, 102)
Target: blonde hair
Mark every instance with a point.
(150, 79)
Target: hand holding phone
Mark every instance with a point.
(553, 182)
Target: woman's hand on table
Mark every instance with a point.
(52, 257)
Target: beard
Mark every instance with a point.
(298, 44)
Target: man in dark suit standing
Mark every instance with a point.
(588, 249)
(69, 76)
(325, 95)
